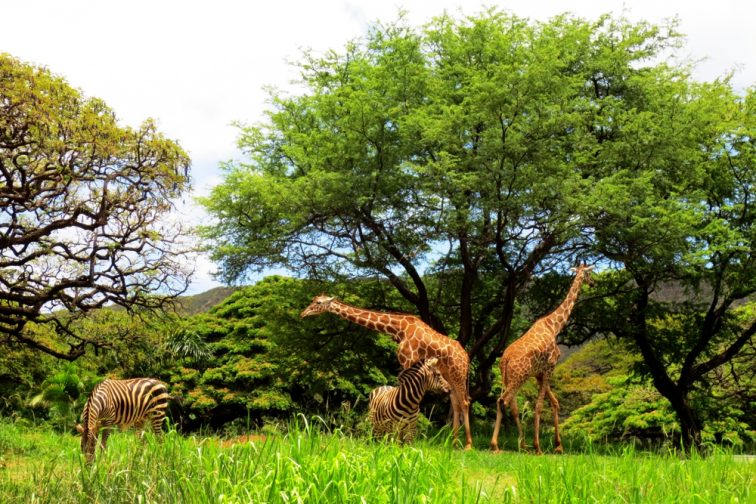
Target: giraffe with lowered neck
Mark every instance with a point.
(417, 341)
(536, 353)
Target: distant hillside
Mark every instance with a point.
(200, 303)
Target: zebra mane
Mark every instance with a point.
(88, 407)
(425, 363)
(85, 417)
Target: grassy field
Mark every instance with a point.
(307, 465)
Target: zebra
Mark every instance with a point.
(394, 410)
(123, 403)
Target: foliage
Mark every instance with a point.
(83, 205)
(674, 209)
(64, 395)
(22, 369)
(604, 397)
(461, 160)
(594, 368)
(628, 410)
(463, 150)
(188, 344)
(263, 362)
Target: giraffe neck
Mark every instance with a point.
(561, 315)
(377, 321)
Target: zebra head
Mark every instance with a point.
(88, 434)
(435, 381)
(319, 305)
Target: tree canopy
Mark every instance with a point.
(462, 160)
(83, 207)
(264, 363)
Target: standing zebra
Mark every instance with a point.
(394, 410)
(123, 403)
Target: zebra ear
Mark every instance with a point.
(431, 362)
(79, 428)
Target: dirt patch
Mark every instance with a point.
(243, 439)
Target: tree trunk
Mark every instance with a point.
(690, 426)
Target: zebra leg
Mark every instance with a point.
(410, 430)
(104, 438)
(156, 421)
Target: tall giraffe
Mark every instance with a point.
(536, 353)
(417, 341)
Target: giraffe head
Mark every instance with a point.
(319, 305)
(585, 271)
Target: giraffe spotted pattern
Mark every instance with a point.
(536, 353)
(417, 341)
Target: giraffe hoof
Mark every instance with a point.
(467, 447)
(558, 449)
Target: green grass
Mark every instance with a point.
(307, 465)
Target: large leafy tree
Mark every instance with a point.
(262, 362)
(456, 151)
(674, 210)
(463, 160)
(83, 206)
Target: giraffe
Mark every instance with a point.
(417, 341)
(535, 353)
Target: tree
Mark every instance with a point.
(673, 211)
(448, 161)
(64, 395)
(265, 363)
(464, 160)
(83, 207)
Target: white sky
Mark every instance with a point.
(197, 66)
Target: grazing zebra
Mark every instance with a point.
(394, 410)
(123, 403)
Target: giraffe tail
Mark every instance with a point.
(504, 376)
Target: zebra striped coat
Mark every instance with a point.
(394, 410)
(123, 403)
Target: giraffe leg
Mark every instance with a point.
(466, 421)
(555, 411)
(453, 416)
(516, 414)
(461, 409)
(509, 398)
(455, 406)
(500, 405)
(542, 385)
